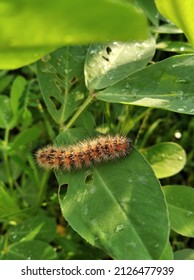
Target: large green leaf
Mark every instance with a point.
(180, 13)
(181, 208)
(61, 80)
(30, 29)
(109, 63)
(116, 206)
(166, 158)
(168, 84)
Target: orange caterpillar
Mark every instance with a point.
(84, 154)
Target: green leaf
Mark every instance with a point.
(8, 204)
(167, 28)
(15, 168)
(5, 80)
(166, 159)
(106, 205)
(26, 118)
(167, 84)
(25, 137)
(38, 227)
(31, 250)
(109, 63)
(86, 120)
(184, 254)
(30, 29)
(175, 46)
(61, 80)
(167, 254)
(18, 95)
(149, 7)
(15, 57)
(181, 208)
(12, 108)
(6, 114)
(180, 13)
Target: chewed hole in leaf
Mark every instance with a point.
(60, 86)
(89, 178)
(74, 80)
(63, 190)
(60, 76)
(56, 103)
(74, 83)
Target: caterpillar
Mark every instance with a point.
(84, 154)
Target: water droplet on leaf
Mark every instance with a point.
(119, 228)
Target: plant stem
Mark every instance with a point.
(144, 124)
(43, 185)
(130, 123)
(79, 111)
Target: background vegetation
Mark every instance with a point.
(140, 207)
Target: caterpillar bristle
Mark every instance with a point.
(85, 153)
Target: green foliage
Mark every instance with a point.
(181, 208)
(108, 63)
(184, 254)
(180, 13)
(30, 239)
(8, 203)
(167, 84)
(118, 209)
(61, 80)
(54, 24)
(28, 250)
(166, 159)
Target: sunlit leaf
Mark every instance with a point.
(109, 63)
(167, 85)
(31, 29)
(180, 13)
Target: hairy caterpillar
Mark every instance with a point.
(84, 154)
